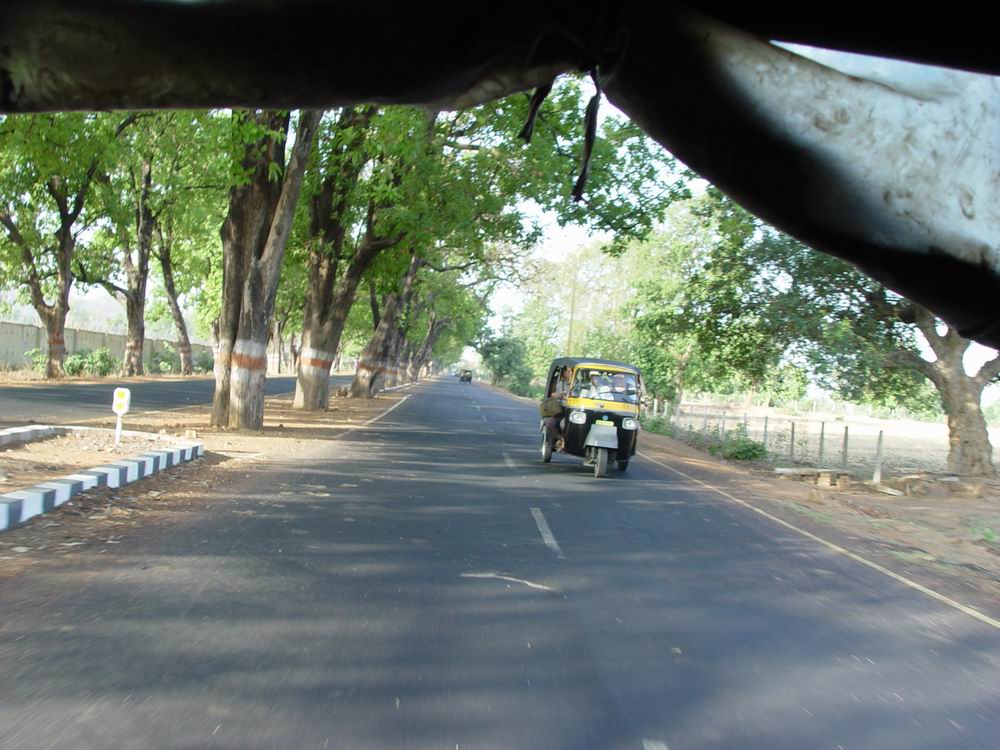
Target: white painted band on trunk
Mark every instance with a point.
(309, 353)
(307, 369)
(249, 348)
(244, 372)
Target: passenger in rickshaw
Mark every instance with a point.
(554, 425)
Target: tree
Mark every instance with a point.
(48, 169)
(474, 181)
(185, 236)
(505, 356)
(759, 292)
(147, 182)
(339, 198)
(254, 236)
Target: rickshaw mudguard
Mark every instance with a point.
(602, 436)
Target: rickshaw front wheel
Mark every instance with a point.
(546, 449)
(601, 463)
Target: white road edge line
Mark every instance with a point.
(509, 460)
(546, 532)
(837, 548)
(501, 577)
(654, 745)
(398, 403)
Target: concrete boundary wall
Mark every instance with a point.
(18, 338)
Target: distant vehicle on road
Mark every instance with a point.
(591, 410)
(465, 376)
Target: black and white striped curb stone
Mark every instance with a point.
(18, 506)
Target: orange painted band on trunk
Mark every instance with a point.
(249, 363)
(326, 364)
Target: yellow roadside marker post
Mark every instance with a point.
(119, 405)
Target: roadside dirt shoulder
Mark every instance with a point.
(91, 522)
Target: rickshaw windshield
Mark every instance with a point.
(606, 385)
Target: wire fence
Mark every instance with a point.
(866, 447)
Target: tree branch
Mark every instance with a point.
(989, 372)
(86, 278)
(28, 258)
(447, 268)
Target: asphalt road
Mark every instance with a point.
(66, 402)
(428, 583)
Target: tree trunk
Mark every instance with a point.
(969, 449)
(312, 386)
(55, 329)
(373, 363)
(135, 335)
(167, 269)
(53, 316)
(244, 233)
(295, 349)
(370, 373)
(395, 355)
(334, 275)
(249, 360)
(137, 273)
(434, 331)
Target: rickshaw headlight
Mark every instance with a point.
(630, 424)
(578, 417)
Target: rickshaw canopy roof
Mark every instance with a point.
(575, 362)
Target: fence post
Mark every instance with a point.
(764, 440)
(791, 445)
(822, 435)
(746, 424)
(877, 476)
(723, 428)
(704, 425)
(655, 405)
(843, 453)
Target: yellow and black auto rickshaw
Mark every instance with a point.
(591, 409)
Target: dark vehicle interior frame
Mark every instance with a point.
(851, 167)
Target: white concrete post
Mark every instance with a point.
(877, 476)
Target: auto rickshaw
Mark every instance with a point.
(591, 410)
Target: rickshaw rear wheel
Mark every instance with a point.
(623, 465)
(601, 463)
(546, 449)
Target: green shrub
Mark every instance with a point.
(36, 359)
(164, 359)
(520, 388)
(100, 363)
(658, 425)
(204, 362)
(76, 363)
(740, 448)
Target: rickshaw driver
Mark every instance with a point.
(600, 386)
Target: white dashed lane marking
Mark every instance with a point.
(546, 532)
